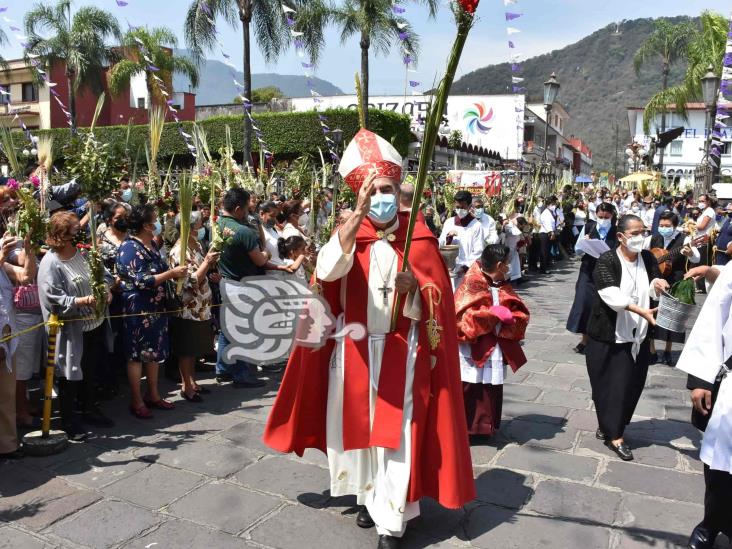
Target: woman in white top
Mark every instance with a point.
(618, 348)
(580, 218)
(705, 222)
(291, 211)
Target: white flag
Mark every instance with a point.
(512, 30)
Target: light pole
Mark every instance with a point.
(710, 86)
(551, 90)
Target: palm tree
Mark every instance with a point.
(376, 24)
(668, 43)
(78, 41)
(3, 42)
(157, 43)
(270, 32)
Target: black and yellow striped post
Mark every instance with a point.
(46, 442)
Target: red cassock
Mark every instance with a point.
(441, 466)
(477, 324)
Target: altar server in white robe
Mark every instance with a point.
(467, 232)
(707, 356)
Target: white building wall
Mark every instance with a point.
(682, 156)
(138, 90)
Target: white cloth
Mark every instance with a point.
(493, 371)
(490, 233)
(708, 347)
(647, 217)
(580, 219)
(470, 240)
(634, 283)
(711, 214)
(512, 235)
(291, 230)
(379, 477)
(592, 211)
(271, 237)
(548, 221)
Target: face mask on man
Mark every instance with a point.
(158, 228)
(461, 212)
(383, 207)
(666, 232)
(635, 209)
(478, 212)
(634, 243)
(127, 195)
(201, 233)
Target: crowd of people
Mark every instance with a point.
(161, 314)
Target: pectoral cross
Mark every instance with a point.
(385, 291)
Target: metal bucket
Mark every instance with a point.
(672, 314)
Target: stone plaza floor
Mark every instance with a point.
(200, 477)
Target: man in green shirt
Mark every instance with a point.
(240, 258)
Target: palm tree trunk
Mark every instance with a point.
(72, 101)
(664, 85)
(365, 44)
(247, 148)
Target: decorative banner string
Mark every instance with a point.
(309, 67)
(517, 80)
(169, 102)
(246, 101)
(724, 103)
(5, 91)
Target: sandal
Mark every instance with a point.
(195, 398)
(143, 412)
(202, 390)
(160, 404)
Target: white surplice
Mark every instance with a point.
(708, 348)
(470, 241)
(493, 371)
(512, 235)
(379, 477)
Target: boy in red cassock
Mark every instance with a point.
(491, 322)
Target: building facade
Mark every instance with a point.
(36, 107)
(683, 155)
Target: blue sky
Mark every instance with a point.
(546, 25)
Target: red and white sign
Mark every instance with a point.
(477, 182)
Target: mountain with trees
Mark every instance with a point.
(598, 80)
(219, 88)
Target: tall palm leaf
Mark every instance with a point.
(3, 42)
(377, 26)
(78, 40)
(706, 47)
(157, 42)
(266, 19)
(668, 43)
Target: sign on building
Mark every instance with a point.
(494, 122)
(476, 182)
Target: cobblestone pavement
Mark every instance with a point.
(199, 476)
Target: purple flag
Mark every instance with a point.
(3, 10)
(307, 65)
(299, 44)
(518, 89)
(152, 68)
(322, 118)
(511, 44)
(121, 3)
(414, 83)
(728, 59)
(403, 36)
(511, 16)
(515, 67)
(14, 29)
(407, 59)
(205, 9)
(290, 20)
(54, 92)
(397, 9)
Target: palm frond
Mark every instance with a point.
(199, 31)
(677, 96)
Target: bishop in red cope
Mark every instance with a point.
(388, 409)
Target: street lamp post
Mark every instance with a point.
(551, 90)
(707, 171)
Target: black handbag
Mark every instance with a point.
(173, 301)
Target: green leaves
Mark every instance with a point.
(289, 135)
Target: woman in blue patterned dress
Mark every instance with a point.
(144, 274)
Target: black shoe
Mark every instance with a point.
(195, 398)
(224, 378)
(97, 419)
(363, 518)
(75, 432)
(389, 542)
(253, 384)
(599, 435)
(622, 450)
(579, 349)
(272, 368)
(667, 359)
(701, 538)
(653, 358)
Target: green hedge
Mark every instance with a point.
(288, 134)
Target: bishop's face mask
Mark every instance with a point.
(383, 208)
